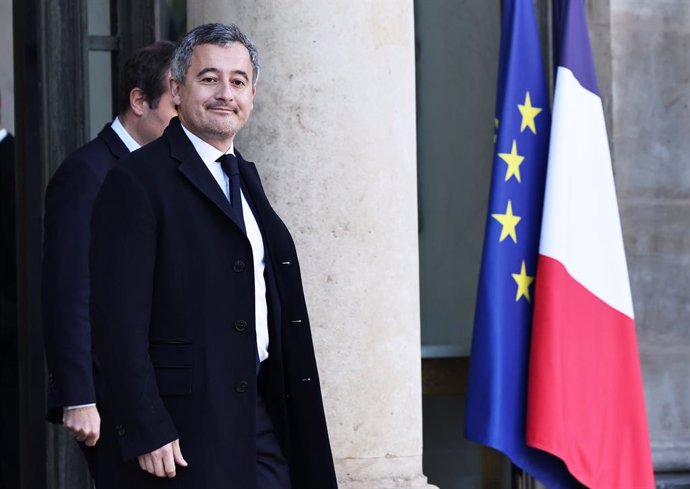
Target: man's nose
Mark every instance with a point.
(225, 91)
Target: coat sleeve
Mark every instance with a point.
(122, 261)
(65, 285)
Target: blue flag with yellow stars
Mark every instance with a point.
(497, 389)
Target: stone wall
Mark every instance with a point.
(6, 65)
(650, 58)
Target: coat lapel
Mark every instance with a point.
(252, 185)
(194, 169)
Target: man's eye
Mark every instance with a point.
(208, 79)
(238, 83)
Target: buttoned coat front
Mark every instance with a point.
(172, 310)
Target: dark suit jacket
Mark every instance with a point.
(8, 254)
(172, 308)
(9, 434)
(65, 275)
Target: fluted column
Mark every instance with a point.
(333, 135)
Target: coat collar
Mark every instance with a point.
(113, 142)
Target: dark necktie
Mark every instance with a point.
(229, 164)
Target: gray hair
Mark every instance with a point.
(217, 34)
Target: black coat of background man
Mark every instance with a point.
(145, 109)
(187, 297)
(9, 385)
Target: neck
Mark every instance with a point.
(129, 122)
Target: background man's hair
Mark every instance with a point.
(217, 34)
(147, 70)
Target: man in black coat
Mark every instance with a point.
(197, 304)
(9, 384)
(145, 109)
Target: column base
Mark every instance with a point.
(388, 472)
(420, 483)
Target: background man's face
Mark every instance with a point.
(217, 97)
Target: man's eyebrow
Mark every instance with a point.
(241, 73)
(208, 70)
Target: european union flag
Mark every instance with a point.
(497, 390)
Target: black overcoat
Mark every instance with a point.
(72, 376)
(172, 310)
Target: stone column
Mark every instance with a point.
(333, 135)
(651, 147)
(7, 63)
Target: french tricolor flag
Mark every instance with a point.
(585, 396)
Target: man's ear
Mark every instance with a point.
(137, 101)
(175, 91)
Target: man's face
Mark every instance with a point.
(154, 121)
(217, 96)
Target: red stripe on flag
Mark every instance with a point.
(585, 398)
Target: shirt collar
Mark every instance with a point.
(208, 153)
(3, 134)
(120, 130)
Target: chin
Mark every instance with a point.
(222, 134)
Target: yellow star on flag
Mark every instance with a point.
(528, 114)
(513, 160)
(509, 222)
(523, 282)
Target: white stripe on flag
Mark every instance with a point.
(581, 226)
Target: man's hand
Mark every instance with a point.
(161, 462)
(83, 423)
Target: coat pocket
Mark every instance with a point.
(173, 365)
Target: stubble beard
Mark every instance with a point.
(223, 129)
(211, 129)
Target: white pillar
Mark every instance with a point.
(7, 63)
(333, 135)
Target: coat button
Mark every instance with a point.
(120, 430)
(240, 325)
(241, 386)
(239, 266)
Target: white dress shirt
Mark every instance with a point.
(209, 155)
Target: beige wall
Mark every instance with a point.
(6, 65)
(651, 120)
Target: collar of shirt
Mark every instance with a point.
(120, 130)
(3, 134)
